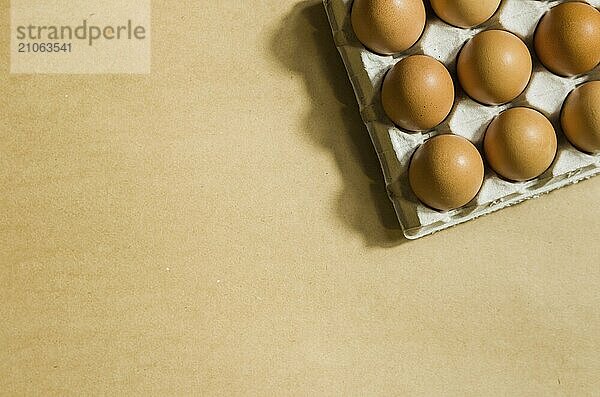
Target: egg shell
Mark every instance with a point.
(465, 13)
(580, 118)
(520, 144)
(388, 26)
(446, 172)
(418, 93)
(494, 67)
(567, 39)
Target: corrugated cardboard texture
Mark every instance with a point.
(220, 227)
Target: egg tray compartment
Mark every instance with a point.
(546, 92)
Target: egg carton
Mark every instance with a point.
(546, 92)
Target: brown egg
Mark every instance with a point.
(446, 172)
(465, 13)
(580, 117)
(520, 144)
(567, 40)
(494, 67)
(388, 26)
(418, 93)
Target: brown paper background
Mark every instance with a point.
(220, 227)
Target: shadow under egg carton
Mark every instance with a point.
(546, 92)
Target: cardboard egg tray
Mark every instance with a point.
(546, 92)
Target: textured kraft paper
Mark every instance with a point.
(220, 227)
